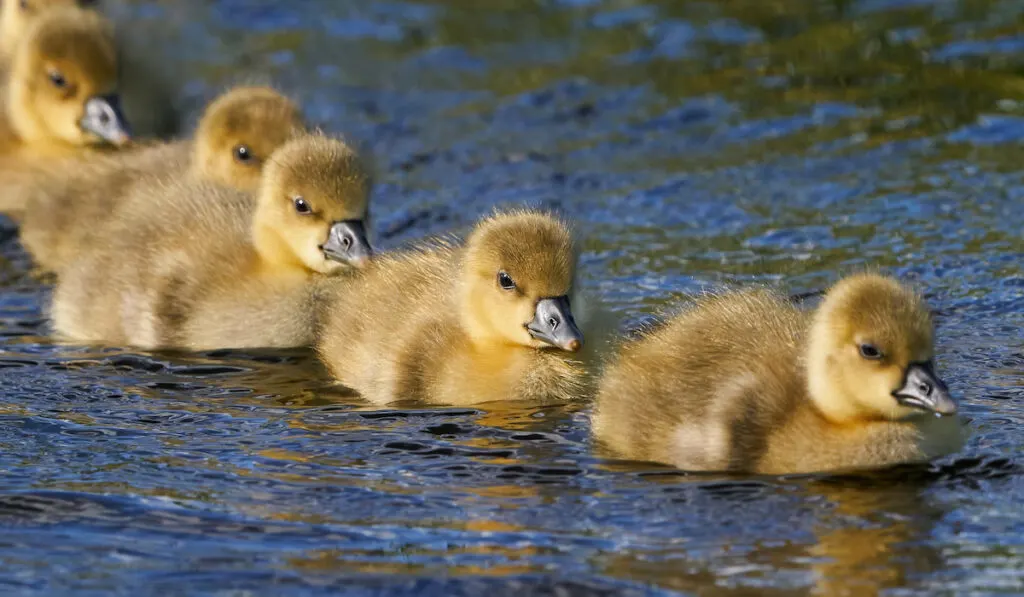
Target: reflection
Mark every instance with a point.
(526, 416)
(873, 538)
(491, 560)
(288, 378)
(866, 537)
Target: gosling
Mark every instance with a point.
(145, 91)
(61, 94)
(197, 266)
(449, 325)
(746, 382)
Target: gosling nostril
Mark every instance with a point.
(553, 322)
(346, 242)
(925, 387)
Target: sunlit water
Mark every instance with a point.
(696, 144)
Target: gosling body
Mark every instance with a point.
(436, 325)
(746, 382)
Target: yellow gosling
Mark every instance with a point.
(449, 325)
(61, 94)
(145, 92)
(198, 266)
(746, 382)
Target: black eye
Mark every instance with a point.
(301, 206)
(58, 79)
(870, 351)
(243, 153)
(505, 281)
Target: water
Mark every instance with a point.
(696, 144)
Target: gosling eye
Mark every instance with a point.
(57, 79)
(301, 206)
(870, 352)
(505, 281)
(243, 154)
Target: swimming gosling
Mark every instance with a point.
(145, 90)
(746, 382)
(61, 94)
(66, 202)
(449, 325)
(197, 266)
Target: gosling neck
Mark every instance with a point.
(828, 396)
(473, 321)
(10, 31)
(201, 158)
(826, 392)
(274, 252)
(22, 119)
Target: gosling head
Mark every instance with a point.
(313, 203)
(238, 133)
(17, 16)
(870, 353)
(517, 277)
(63, 84)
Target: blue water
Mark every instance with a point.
(696, 144)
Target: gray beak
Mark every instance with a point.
(553, 323)
(346, 242)
(924, 390)
(104, 119)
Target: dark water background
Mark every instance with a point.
(697, 144)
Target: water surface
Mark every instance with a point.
(696, 144)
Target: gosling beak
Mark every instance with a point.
(553, 323)
(346, 242)
(924, 390)
(104, 119)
